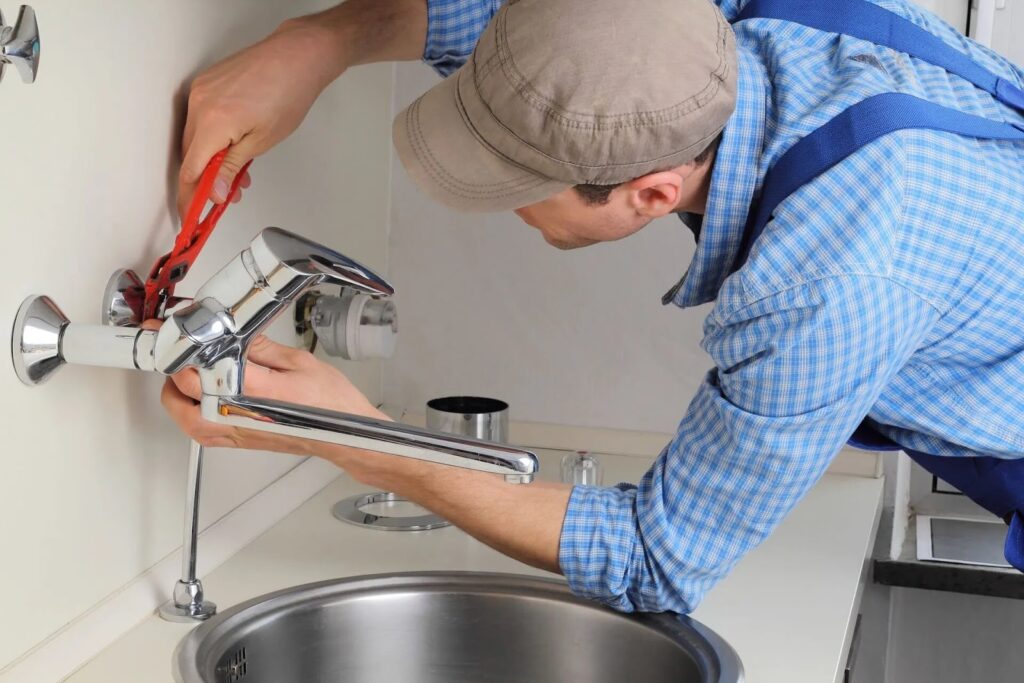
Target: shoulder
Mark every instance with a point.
(844, 222)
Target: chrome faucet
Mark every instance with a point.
(212, 334)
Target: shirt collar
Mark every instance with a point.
(734, 180)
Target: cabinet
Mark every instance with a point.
(1008, 30)
(1002, 22)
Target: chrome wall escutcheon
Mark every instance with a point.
(35, 341)
(354, 511)
(123, 299)
(19, 45)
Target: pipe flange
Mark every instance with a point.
(350, 510)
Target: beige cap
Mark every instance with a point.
(563, 92)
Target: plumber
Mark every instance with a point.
(852, 172)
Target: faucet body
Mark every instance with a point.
(212, 334)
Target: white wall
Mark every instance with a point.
(566, 337)
(92, 481)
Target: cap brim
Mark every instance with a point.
(445, 158)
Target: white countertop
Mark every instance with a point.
(787, 608)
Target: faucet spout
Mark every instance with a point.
(516, 465)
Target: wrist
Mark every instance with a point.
(324, 43)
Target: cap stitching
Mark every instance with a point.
(451, 184)
(424, 153)
(577, 165)
(664, 115)
(605, 165)
(626, 120)
(484, 70)
(722, 72)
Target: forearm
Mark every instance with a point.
(365, 31)
(521, 521)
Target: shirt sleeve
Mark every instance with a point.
(453, 28)
(796, 372)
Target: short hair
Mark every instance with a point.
(596, 195)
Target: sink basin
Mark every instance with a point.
(447, 628)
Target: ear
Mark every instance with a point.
(656, 194)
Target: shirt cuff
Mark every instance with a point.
(598, 543)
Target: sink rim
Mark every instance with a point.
(708, 648)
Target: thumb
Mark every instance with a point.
(274, 356)
(239, 154)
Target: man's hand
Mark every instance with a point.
(273, 371)
(251, 101)
(256, 98)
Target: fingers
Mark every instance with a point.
(266, 358)
(185, 413)
(196, 156)
(187, 416)
(276, 356)
(187, 382)
(239, 154)
(258, 381)
(201, 148)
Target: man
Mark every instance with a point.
(885, 286)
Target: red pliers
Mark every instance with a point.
(171, 268)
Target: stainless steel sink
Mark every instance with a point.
(447, 628)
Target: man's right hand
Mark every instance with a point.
(254, 99)
(251, 101)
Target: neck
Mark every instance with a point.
(694, 195)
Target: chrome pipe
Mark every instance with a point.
(190, 542)
(106, 346)
(188, 602)
(475, 416)
(518, 466)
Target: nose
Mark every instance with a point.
(524, 216)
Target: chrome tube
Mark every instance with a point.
(518, 466)
(188, 602)
(191, 540)
(475, 416)
(106, 346)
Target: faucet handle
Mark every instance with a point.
(280, 255)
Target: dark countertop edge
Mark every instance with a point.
(953, 578)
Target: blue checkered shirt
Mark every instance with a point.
(890, 287)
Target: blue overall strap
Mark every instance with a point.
(867, 21)
(850, 130)
(997, 485)
(993, 483)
